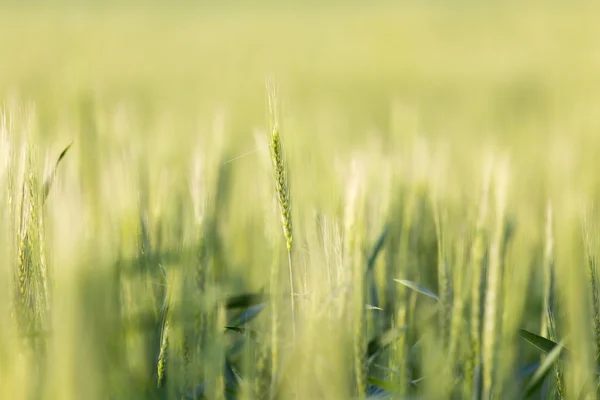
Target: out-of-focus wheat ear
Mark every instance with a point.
(198, 188)
(24, 274)
(476, 267)
(13, 204)
(593, 280)
(403, 297)
(444, 284)
(41, 230)
(548, 322)
(202, 183)
(458, 304)
(354, 263)
(491, 331)
(162, 355)
(35, 242)
(548, 272)
(269, 363)
(282, 186)
(161, 364)
(216, 381)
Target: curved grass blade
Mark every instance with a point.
(543, 370)
(246, 316)
(418, 288)
(377, 249)
(50, 179)
(369, 276)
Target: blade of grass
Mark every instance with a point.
(418, 288)
(377, 249)
(538, 341)
(543, 370)
(50, 179)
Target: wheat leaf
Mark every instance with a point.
(418, 288)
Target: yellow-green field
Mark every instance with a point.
(328, 201)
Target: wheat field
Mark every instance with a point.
(336, 200)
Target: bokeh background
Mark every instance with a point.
(422, 94)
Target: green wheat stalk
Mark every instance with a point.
(548, 321)
(475, 261)
(593, 280)
(282, 187)
(443, 276)
(161, 364)
(493, 291)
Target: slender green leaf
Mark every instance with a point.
(370, 278)
(418, 288)
(377, 249)
(50, 179)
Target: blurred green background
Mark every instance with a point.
(464, 69)
(424, 90)
(525, 77)
(518, 74)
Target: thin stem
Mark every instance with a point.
(292, 292)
